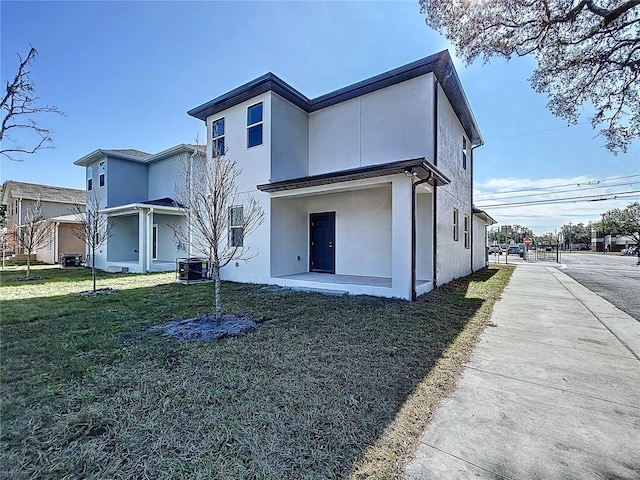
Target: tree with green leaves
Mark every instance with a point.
(587, 52)
(624, 221)
(576, 234)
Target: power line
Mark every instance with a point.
(584, 198)
(591, 182)
(570, 190)
(526, 134)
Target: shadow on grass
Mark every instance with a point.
(86, 390)
(53, 274)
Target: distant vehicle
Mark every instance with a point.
(495, 249)
(513, 250)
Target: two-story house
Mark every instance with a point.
(136, 191)
(58, 207)
(367, 189)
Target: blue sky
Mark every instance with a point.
(125, 73)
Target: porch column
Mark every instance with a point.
(401, 237)
(141, 240)
(149, 240)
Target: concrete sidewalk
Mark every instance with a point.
(551, 392)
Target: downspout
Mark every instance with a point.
(435, 184)
(414, 187)
(473, 147)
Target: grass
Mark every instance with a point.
(327, 387)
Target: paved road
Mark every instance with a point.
(615, 278)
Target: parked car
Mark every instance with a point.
(495, 249)
(513, 250)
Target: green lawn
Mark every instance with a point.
(327, 387)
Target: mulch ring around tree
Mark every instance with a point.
(26, 279)
(98, 292)
(205, 328)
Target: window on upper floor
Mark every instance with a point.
(236, 226)
(101, 173)
(466, 231)
(254, 125)
(89, 178)
(455, 224)
(217, 137)
(464, 152)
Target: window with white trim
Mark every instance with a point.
(236, 226)
(466, 231)
(464, 152)
(455, 224)
(254, 125)
(217, 137)
(101, 173)
(89, 178)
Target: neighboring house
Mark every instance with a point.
(58, 207)
(135, 190)
(61, 239)
(366, 190)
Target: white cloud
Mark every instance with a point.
(495, 194)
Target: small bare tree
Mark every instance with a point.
(34, 232)
(93, 228)
(18, 106)
(216, 219)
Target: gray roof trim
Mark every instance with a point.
(100, 153)
(440, 64)
(420, 167)
(169, 152)
(484, 216)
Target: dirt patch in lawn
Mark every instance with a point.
(205, 328)
(26, 279)
(95, 293)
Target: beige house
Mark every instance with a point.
(58, 208)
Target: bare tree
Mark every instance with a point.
(93, 228)
(19, 104)
(216, 219)
(34, 232)
(587, 52)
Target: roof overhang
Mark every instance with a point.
(440, 64)
(418, 167)
(135, 208)
(484, 216)
(100, 154)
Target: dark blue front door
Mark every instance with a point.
(323, 236)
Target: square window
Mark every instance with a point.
(254, 125)
(217, 137)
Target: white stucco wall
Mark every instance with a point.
(388, 125)
(479, 244)
(289, 140)
(255, 164)
(453, 259)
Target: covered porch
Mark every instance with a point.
(368, 231)
(141, 238)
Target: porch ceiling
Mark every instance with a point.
(419, 167)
